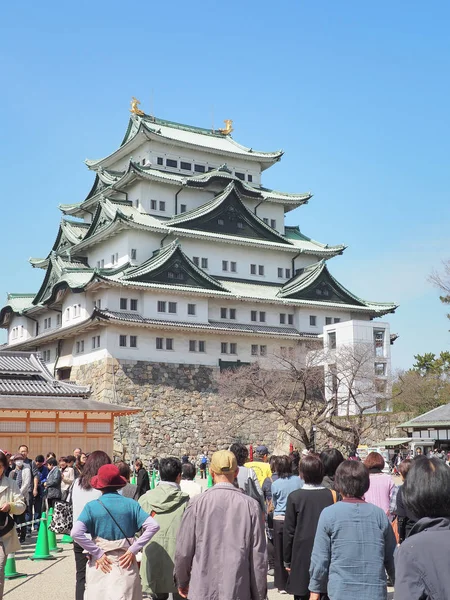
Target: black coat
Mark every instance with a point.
(421, 562)
(300, 523)
(143, 483)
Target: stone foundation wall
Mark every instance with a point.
(181, 411)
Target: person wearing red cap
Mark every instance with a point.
(112, 522)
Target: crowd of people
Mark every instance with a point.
(326, 528)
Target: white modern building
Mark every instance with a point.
(358, 366)
(179, 254)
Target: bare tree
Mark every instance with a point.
(311, 391)
(442, 281)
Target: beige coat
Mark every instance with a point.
(119, 583)
(10, 494)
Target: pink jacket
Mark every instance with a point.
(379, 493)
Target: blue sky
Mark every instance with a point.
(356, 93)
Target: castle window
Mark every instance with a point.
(162, 343)
(232, 313)
(260, 269)
(263, 350)
(224, 265)
(254, 349)
(290, 319)
(46, 356)
(204, 263)
(183, 208)
(288, 273)
(233, 267)
(220, 222)
(162, 205)
(160, 160)
(123, 341)
(328, 320)
(196, 260)
(133, 304)
(161, 306)
(136, 203)
(249, 178)
(224, 348)
(282, 318)
(191, 309)
(133, 253)
(79, 347)
(223, 313)
(124, 304)
(337, 320)
(312, 321)
(262, 316)
(253, 269)
(195, 346)
(240, 176)
(171, 163)
(266, 220)
(240, 225)
(233, 348)
(273, 223)
(280, 272)
(133, 341)
(253, 315)
(58, 319)
(199, 168)
(95, 342)
(153, 205)
(172, 307)
(185, 166)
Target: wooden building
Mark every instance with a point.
(50, 415)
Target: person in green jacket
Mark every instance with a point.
(166, 504)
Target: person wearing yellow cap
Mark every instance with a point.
(222, 534)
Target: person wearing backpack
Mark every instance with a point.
(247, 480)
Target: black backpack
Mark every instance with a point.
(250, 490)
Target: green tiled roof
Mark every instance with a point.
(230, 194)
(170, 257)
(315, 282)
(185, 135)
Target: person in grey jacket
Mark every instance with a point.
(354, 543)
(222, 535)
(421, 562)
(53, 483)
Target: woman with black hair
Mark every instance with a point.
(281, 488)
(354, 543)
(331, 459)
(300, 523)
(422, 560)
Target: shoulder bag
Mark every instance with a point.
(62, 520)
